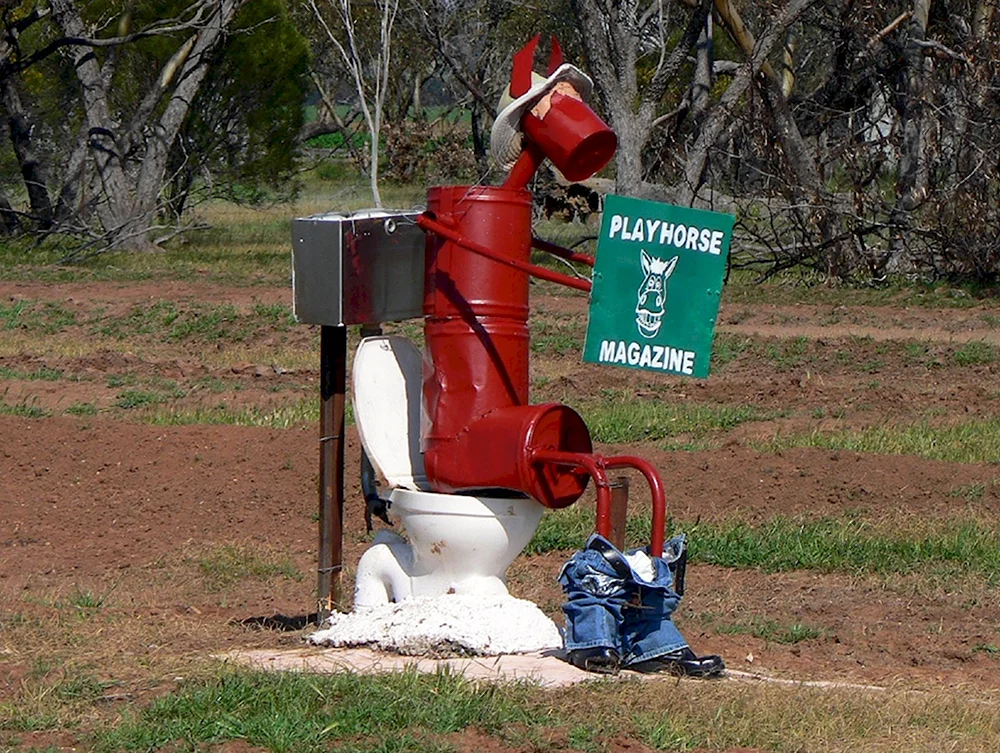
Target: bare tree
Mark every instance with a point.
(619, 39)
(911, 176)
(115, 168)
(368, 65)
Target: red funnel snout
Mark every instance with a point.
(571, 135)
(497, 451)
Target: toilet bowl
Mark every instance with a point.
(455, 543)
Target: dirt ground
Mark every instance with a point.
(130, 512)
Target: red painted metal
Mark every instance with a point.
(499, 451)
(523, 63)
(479, 430)
(596, 466)
(577, 141)
(430, 224)
(524, 169)
(563, 253)
(658, 497)
(473, 368)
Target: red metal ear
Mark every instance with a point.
(556, 56)
(524, 64)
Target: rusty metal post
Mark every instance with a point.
(619, 511)
(333, 387)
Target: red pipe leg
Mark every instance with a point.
(596, 465)
(656, 492)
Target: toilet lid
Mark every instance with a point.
(387, 380)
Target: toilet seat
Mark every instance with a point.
(387, 378)
(456, 543)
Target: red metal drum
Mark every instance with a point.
(478, 428)
(498, 451)
(472, 368)
(460, 282)
(476, 325)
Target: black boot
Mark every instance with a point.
(600, 659)
(682, 663)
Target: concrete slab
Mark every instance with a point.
(543, 668)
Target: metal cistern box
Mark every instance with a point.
(357, 268)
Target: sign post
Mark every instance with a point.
(657, 285)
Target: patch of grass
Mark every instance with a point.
(142, 319)
(42, 373)
(916, 352)
(307, 713)
(82, 409)
(970, 492)
(974, 353)
(168, 321)
(22, 409)
(726, 348)
(274, 315)
(43, 317)
(770, 630)
(303, 412)
(556, 338)
(625, 418)
(845, 545)
(665, 733)
(208, 325)
(130, 399)
(225, 565)
(805, 286)
(568, 529)
(968, 442)
(788, 354)
(408, 712)
(52, 697)
(782, 544)
(216, 385)
(86, 601)
(873, 366)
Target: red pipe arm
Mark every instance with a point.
(525, 168)
(596, 465)
(562, 253)
(656, 492)
(431, 225)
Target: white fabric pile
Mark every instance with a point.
(447, 625)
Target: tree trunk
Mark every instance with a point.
(701, 86)
(72, 196)
(27, 158)
(115, 208)
(10, 223)
(911, 173)
(809, 189)
(479, 143)
(612, 46)
(152, 172)
(126, 196)
(720, 118)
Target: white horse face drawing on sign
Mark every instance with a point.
(653, 294)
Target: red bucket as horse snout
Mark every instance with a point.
(571, 135)
(497, 450)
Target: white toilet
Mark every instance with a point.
(457, 543)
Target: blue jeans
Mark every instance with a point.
(615, 607)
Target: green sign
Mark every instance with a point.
(657, 284)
